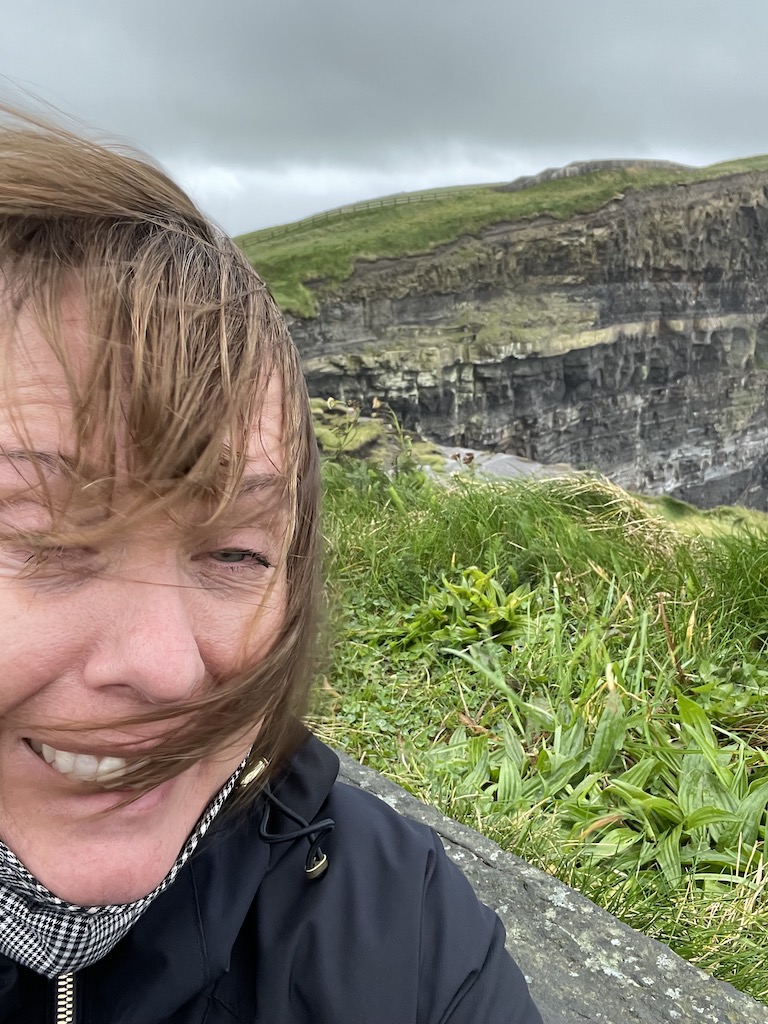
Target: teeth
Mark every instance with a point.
(64, 761)
(110, 768)
(86, 767)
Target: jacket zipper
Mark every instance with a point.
(65, 999)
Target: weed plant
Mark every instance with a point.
(572, 675)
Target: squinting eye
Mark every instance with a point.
(59, 563)
(42, 555)
(236, 556)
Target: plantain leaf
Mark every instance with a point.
(639, 774)
(609, 735)
(693, 784)
(696, 724)
(510, 785)
(567, 772)
(612, 843)
(569, 741)
(694, 720)
(513, 748)
(748, 819)
(480, 770)
(650, 803)
(668, 856)
(709, 816)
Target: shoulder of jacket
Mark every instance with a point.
(371, 836)
(350, 803)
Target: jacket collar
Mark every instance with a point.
(183, 943)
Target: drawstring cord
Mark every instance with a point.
(316, 862)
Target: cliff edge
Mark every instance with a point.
(631, 339)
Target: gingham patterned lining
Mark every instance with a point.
(53, 937)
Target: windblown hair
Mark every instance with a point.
(184, 338)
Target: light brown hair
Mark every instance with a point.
(184, 339)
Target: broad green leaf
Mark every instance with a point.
(477, 756)
(636, 797)
(609, 734)
(699, 787)
(612, 843)
(709, 816)
(533, 791)
(569, 741)
(588, 783)
(748, 819)
(509, 786)
(717, 858)
(513, 748)
(696, 724)
(639, 774)
(694, 720)
(565, 773)
(668, 856)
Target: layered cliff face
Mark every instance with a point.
(632, 340)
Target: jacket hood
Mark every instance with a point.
(184, 941)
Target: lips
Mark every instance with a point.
(82, 767)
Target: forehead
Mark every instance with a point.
(36, 405)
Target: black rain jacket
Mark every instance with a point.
(392, 932)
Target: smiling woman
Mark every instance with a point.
(173, 846)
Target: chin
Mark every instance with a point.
(117, 857)
(91, 849)
(110, 888)
(105, 876)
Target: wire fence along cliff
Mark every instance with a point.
(572, 170)
(401, 199)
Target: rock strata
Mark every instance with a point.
(632, 340)
(581, 963)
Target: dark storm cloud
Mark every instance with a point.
(352, 83)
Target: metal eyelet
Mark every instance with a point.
(318, 867)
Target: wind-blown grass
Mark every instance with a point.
(573, 676)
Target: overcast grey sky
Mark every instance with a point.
(269, 110)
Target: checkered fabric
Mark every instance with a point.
(53, 937)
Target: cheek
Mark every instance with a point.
(46, 642)
(260, 627)
(39, 644)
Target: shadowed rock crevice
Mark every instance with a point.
(582, 964)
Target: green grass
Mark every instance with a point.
(571, 674)
(315, 257)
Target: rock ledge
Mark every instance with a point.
(583, 965)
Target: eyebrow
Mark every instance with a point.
(58, 462)
(258, 482)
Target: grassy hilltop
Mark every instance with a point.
(324, 249)
(576, 675)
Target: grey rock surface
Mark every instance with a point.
(582, 964)
(499, 464)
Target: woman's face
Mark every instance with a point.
(99, 635)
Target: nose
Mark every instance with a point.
(145, 641)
